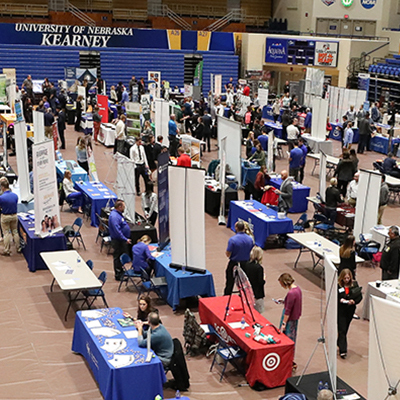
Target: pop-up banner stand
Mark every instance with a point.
(38, 126)
(186, 218)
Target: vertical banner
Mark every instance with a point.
(322, 175)
(102, 102)
(18, 111)
(155, 76)
(320, 113)
(217, 84)
(162, 119)
(92, 163)
(22, 161)
(125, 183)
(82, 92)
(163, 199)
(38, 126)
(263, 97)
(203, 40)
(270, 161)
(47, 211)
(55, 135)
(3, 91)
(11, 94)
(174, 39)
(330, 318)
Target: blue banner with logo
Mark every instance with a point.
(368, 3)
(276, 51)
(163, 199)
(363, 82)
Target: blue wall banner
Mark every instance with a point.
(276, 51)
(163, 199)
(368, 3)
(363, 82)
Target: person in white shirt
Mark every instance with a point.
(70, 193)
(292, 133)
(256, 100)
(286, 101)
(352, 190)
(120, 134)
(150, 204)
(229, 98)
(351, 114)
(138, 155)
(219, 108)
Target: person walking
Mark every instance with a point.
(383, 199)
(61, 125)
(349, 295)
(347, 255)
(81, 154)
(96, 124)
(138, 155)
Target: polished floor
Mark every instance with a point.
(36, 361)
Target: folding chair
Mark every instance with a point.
(129, 273)
(366, 249)
(104, 233)
(299, 226)
(75, 233)
(95, 293)
(152, 284)
(228, 354)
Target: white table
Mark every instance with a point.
(380, 233)
(331, 161)
(316, 244)
(389, 290)
(392, 181)
(318, 144)
(107, 134)
(61, 263)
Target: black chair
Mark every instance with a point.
(299, 226)
(73, 232)
(92, 294)
(179, 368)
(378, 166)
(152, 284)
(129, 273)
(233, 355)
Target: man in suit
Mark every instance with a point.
(207, 121)
(61, 125)
(365, 131)
(285, 193)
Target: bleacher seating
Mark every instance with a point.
(19, 9)
(388, 69)
(123, 14)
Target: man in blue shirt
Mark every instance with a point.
(390, 166)
(9, 219)
(160, 339)
(296, 157)
(263, 139)
(303, 148)
(141, 256)
(238, 250)
(172, 132)
(120, 236)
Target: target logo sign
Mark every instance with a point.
(271, 362)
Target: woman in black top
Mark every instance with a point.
(345, 171)
(78, 114)
(348, 256)
(349, 294)
(249, 144)
(145, 307)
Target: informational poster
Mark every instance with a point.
(163, 199)
(155, 76)
(102, 102)
(11, 94)
(18, 111)
(3, 92)
(326, 54)
(188, 90)
(47, 210)
(217, 84)
(38, 126)
(11, 74)
(263, 97)
(92, 163)
(82, 92)
(55, 135)
(145, 103)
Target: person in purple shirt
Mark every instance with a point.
(120, 236)
(292, 308)
(307, 121)
(295, 159)
(141, 256)
(263, 139)
(238, 250)
(303, 148)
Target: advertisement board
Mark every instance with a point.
(276, 51)
(326, 54)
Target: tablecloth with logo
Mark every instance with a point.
(269, 364)
(300, 194)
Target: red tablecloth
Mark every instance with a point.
(270, 364)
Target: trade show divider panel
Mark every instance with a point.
(322, 175)
(22, 161)
(384, 350)
(163, 199)
(270, 161)
(186, 216)
(38, 126)
(367, 202)
(320, 113)
(221, 218)
(125, 183)
(162, 119)
(330, 317)
(340, 100)
(263, 97)
(233, 132)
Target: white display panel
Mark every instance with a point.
(384, 351)
(38, 126)
(162, 119)
(233, 132)
(320, 113)
(322, 175)
(263, 97)
(125, 183)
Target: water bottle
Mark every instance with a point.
(320, 386)
(243, 323)
(183, 269)
(326, 386)
(78, 260)
(178, 394)
(251, 197)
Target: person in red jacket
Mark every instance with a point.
(184, 159)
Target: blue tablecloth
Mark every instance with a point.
(139, 380)
(98, 196)
(78, 174)
(87, 123)
(249, 173)
(380, 144)
(34, 245)
(268, 114)
(247, 211)
(336, 133)
(114, 110)
(300, 194)
(277, 128)
(182, 285)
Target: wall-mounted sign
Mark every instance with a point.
(347, 3)
(276, 51)
(326, 54)
(368, 3)
(328, 2)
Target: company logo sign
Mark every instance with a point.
(271, 362)
(368, 3)
(276, 51)
(326, 54)
(347, 3)
(328, 2)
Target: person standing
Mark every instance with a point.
(150, 203)
(332, 199)
(138, 155)
(61, 125)
(390, 260)
(48, 123)
(349, 295)
(383, 199)
(78, 116)
(27, 84)
(81, 154)
(292, 308)
(276, 110)
(207, 121)
(132, 83)
(292, 133)
(351, 114)
(308, 121)
(120, 236)
(344, 171)
(255, 272)
(348, 136)
(295, 159)
(259, 155)
(184, 159)
(120, 134)
(304, 149)
(352, 190)
(96, 123)
(9, 218)
(365, 131)
(347, 255)
(285, 201)
(238, 251)
(172, 132)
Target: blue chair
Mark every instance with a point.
(367, 249)
(75, 233)
(90, 264)
(129, 273)
(92, 294)
(299, 226)
(322, 223)
(152, 284)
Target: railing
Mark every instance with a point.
(256, 20)
(81, 15)
(162, 10)
(94, 5)
(358, 64)
(331, 35)
(123, 14)
(194, 10)
(26, 10)
(236, 14)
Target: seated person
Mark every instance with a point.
(70, 192)
(144, 309)
(141, 256)
(160, 341)
(390, 166)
